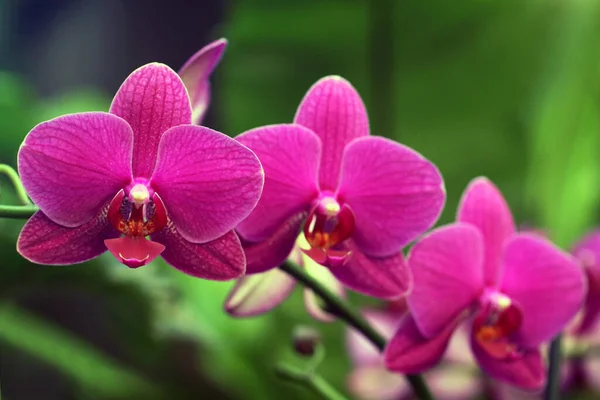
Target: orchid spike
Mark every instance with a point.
(360, 198)
(195, 74)
(110, 180)
(517, 289)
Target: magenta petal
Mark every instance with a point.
(395, 193)
(384, 278)
(289, 155)
(152, 99)
(547, 283)
(333, 109)
(272, 252)
(134, 251)
(208, 181)
(256, 294)
(71, 166)
(409, 352)
(44, 242)
(195, 73)
(374, 382)
(527, 372)
(483, 205)
(587, 251)
(220, 260)
(447, 274)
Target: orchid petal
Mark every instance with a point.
(376, 383)
(152, 99)
(208, 181)
(134, 251)
(526, 372)
(43, 241)
(195, 73)
(448, 276)
(395, 193)
(361, 350)
(587, 251)
(454, 383)
(220, 260)
(259, 293)
(71, 166)
(483, 205)
(547, 283)
(333, 109)
(289, 155)
(409, 352)
(313, 303)
(381, 277)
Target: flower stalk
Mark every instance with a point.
(343, 311)
(25, 211)
(554, 355)
(310, 379)
(16, 182)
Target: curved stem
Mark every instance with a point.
(314, 381)
(16, 181)
(339, 308)
(17, 211)
(554, 355)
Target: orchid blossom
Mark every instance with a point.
(109, 180)
(359, 198)
(517, 289)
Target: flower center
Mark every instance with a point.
(497, 320)
(327, 226)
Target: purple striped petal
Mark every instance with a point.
(208, 181)
(333, 109)
(71, 166)
(152, 99)
(289, 155)
(395, 193)
(195, 74)
(259, 293)
(547, 283)
(483, 205)
(220, 260)
(381, 277)
(447, 267)
(527, 372)
(312, 302)
(45, 242)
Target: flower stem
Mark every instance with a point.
(314, 381)
(554, 355)
(339, 308)
(17, 211)
(16, 182)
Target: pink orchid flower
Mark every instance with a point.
(517, 289)
(195, 74)
(109, 180)
(587, 252)
(360, 198)
(455, 379)
(256, 294)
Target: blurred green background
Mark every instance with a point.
(502, 88)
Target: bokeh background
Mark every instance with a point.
(502, 88)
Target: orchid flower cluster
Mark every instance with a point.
(145, 179)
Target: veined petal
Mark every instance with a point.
(152, 99)
(134, 252)
(272, 252)
(527, 372)
(381, 277)
(220, 260)
(333, 109)
(395, 193)
(361, 351)
(289, 155)
(313, 302)
(447, 267)
(208, 181)
(409, 352)
(71, 166)
(195, 74)
(547, 283)
(45, 242)
(258, 293)
(374, 382)
(483, 205)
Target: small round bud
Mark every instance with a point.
(306, 340)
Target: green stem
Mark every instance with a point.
(341, 309)
(554, 355)
(16, 181)
(314, 381)
(17, 211)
